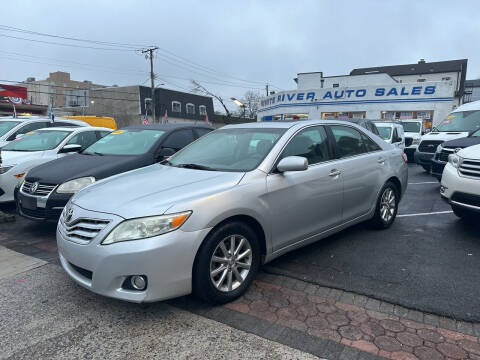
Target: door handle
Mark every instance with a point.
(334, 172)
(381, 161)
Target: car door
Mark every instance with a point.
(305, 203)
(361, 162)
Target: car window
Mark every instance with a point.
(62, 123)
(349, 141)
(201, 132)
(385, 132)
(311, 143)
(38, 140)
(179, 139)
(374, 129)
(370, 145)
(28, 127)
(395, 135)
(126, 142)
(6, 126)
(85, 139)
(101, 134)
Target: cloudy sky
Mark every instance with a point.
(231, 47)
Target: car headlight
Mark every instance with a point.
(146, 227)
(454, 160)
(4, 169)
(416, 141)
(439, 148)
(72, 186)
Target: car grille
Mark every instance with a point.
(408, 141)
(41, 213)
(444, 154)
(81, 230)
(429, 146)
(470, 168)
(41, 189)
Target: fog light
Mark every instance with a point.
(138, 282)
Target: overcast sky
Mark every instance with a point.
(231, 47)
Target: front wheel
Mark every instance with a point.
(227, 263)
(387, 207)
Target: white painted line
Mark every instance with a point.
(425, 182)
(430, 213)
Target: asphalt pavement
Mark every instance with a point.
(426, 262)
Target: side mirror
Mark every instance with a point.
(70, 149)
(165, 153)
(292, 163)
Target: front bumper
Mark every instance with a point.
(437, 168)
(166, 260)
(423, 158)
(459, 190)
(41, 208)
(8, 182)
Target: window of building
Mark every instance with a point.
(335, 85)
(176, 106)
(343, 115)
(190, 109)
(202, 109)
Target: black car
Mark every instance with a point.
(365, 123)
(48, 187)
(440, 158)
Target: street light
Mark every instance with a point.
(240, 105)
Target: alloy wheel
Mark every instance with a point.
(387, 205)
(230, 263)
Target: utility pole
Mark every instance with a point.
(149, 54)
(266, 88)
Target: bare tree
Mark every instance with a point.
(251, 100)
(202, 89)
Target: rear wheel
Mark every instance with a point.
(227, 263)
(387, 206)
(464, 213)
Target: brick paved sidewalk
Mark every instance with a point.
(358, 322)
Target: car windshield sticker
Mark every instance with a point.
(118, 132)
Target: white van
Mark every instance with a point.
(413, 129)
(459, 123)
(392, 132)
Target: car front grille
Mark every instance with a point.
(41, 213)
(81, 230)
(444, 154)
(470, 168)
(408, 141)
(429, 146)
(38, 189)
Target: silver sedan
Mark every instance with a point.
(206, 219)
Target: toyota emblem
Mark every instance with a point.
(34, 187)
(69, 215)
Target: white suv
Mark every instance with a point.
(392, 132)
(461, 182)
(413, 129)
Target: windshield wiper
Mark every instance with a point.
(97, 153)
(195, 166)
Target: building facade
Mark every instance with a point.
(472, 91)
(423, 90)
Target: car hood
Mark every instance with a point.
(152, 190)
(444, 136)
(17, 157)
(80, 165)
(472, 152)
(462, 142)
(412, 134)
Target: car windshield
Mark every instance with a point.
(461, 121)
(228, 149)
(38, 140)
(125, 142)
(411, 127)
(476, 133)
(6, 126)
(385, 132)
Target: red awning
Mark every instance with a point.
(13, 91)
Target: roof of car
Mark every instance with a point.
(168, 127)
(69, 128)
(286, 124)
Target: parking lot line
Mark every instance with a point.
(424, 182)
(429, 213)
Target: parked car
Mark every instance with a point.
(461, 182)
(122, 150)
(413, 129)
(365, 123)
(450, 147)
(207, 217)
(391, 132)
(460, 123)
(11, 128)
(38, 147)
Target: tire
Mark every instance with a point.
(426, 168)
(381, 219)
(212, 288)
(463, 213)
